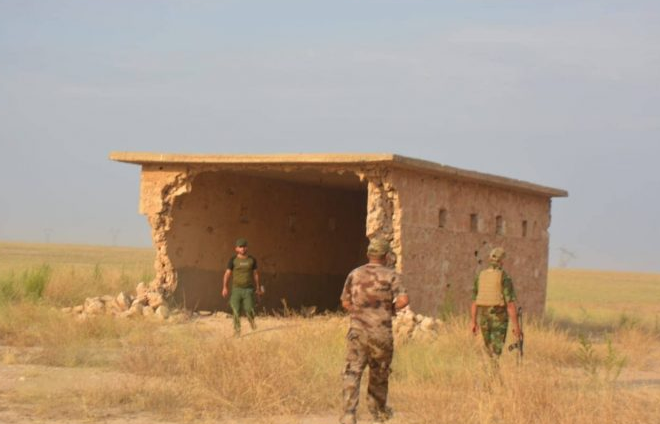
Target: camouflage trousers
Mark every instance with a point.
(363, 350)
(493, 321)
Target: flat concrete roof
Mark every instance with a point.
(318, 160)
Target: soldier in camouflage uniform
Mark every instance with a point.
(371, 294)
(493, 302)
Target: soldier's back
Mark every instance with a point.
(372, 289)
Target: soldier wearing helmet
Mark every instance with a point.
(371, 294)
(493, 302)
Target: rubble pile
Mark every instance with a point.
(407, 325)
(147, 301)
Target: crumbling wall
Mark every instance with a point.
(383, 210)
(443, 251)
(160, 186)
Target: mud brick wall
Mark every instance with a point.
(308, 236)
(447, 229)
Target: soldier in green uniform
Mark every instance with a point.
(242, 270)
(371, 294)
(493, 302)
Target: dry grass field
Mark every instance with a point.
(595, 359)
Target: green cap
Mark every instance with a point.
(496, 255)
(241, 242)
(378, 247)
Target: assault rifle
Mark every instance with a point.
(521, 341)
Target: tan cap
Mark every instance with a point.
(496, 255)
(378, 247)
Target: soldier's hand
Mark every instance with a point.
(474, 328)
(518, 333)
(225, 292)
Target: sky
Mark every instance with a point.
(562, 93)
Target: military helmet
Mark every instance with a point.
(241, 242)
(378, 247)
(496, 255)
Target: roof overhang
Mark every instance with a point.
(336, 159)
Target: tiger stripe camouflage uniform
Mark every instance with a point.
(494, 320)
(371, 290)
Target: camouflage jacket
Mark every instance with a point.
(371, 290)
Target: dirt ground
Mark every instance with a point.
(23, 389)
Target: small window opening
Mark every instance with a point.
(524, 228)
(474, 222)
(499, 225)
(442, 218)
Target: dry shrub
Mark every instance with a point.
(61, 340)
(71, 285)
(294, 370)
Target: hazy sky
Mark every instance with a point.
(560, 93)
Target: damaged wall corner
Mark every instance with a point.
(159, 188)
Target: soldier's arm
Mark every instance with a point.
(401, 298)
(225, 283)
(473, 307)
(510, 298)
(346, 300)
(257, 284)
(513, 317)
(401, 301)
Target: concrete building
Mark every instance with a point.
(308, 218)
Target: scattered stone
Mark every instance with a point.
(163, 312)
(205, 313)
(408, 325)
(107, 298)
(123, 301)
(139, 301)
(94, 306)
(155, 299)
(148, 301)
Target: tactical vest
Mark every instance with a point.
(490, 288)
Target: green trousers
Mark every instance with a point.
(242, 298)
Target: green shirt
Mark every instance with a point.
(242, 271)
(507, 287)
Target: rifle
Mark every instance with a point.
(519, 344)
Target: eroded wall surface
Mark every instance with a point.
(305, 238)
(447, 230)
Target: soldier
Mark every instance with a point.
(242, 269)
(371, 294)
(493, 301)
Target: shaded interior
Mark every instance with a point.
(306, 229)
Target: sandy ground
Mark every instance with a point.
(21, 384)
